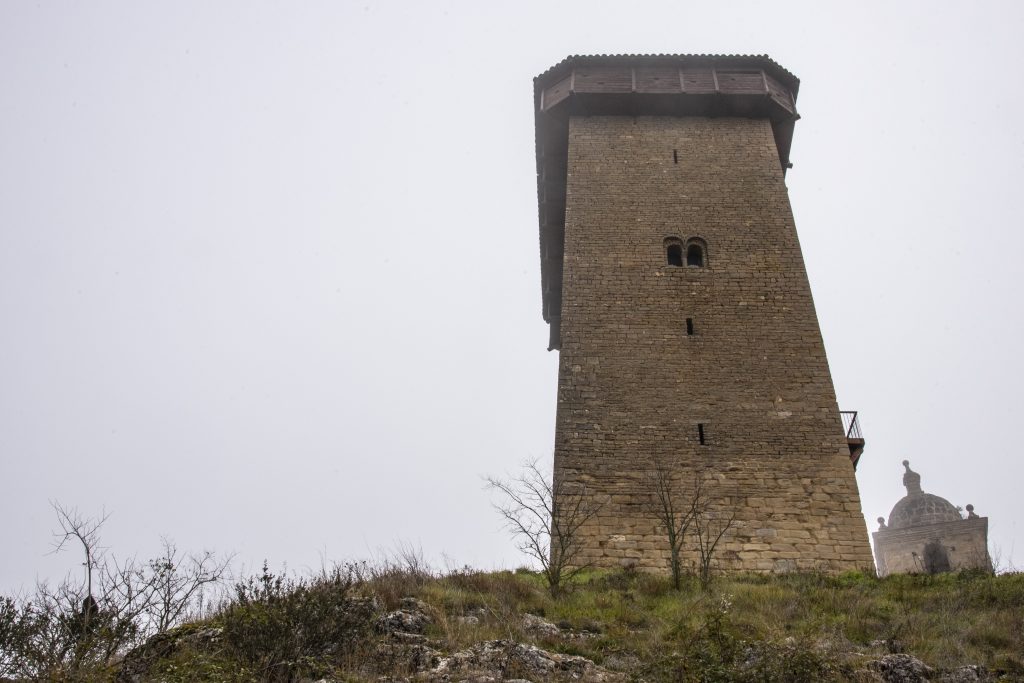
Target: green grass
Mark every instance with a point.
(789, 627)
(948, 620)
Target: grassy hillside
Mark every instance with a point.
(360, 624)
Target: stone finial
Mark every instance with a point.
(911, 479)
(881, 524)
(970, 512)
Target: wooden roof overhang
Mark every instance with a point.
(642, 85)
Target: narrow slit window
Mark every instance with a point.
(689, 327)
(700, 433)
(675, 156)
(674, 252)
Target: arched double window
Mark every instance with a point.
(693, 252)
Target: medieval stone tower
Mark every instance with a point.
(677, 297)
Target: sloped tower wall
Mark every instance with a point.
(714, 370)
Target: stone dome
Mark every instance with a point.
(918, 508)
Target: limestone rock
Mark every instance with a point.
(405, 656)
(136, 664)
(413, 605)
(402, 621)
(902, 669)
(966, 674)
(412, 618)
(539, 627)
(506, 658)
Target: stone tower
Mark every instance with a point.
(677, 297)
(926, 534)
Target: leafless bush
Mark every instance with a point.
(683, 512)
(82, 626)
(710, 526)
(546, 518)
(676, 510)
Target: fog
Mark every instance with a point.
(269, 272)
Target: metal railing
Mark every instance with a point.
(851, 425)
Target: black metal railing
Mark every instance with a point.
(851, 425)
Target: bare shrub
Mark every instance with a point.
(78, 628)
(687, 511)
(676, 509)
(546, 518)
(710, 526)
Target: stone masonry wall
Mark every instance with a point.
(902, 551)
(633, 386)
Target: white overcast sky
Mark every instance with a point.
(269, 271)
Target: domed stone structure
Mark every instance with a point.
(922, 509)
(918, 508)
(926, 533)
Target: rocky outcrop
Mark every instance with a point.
(537, 626)
(902, 668)
(412, 618)
(402, 647)
(136, 664)
(402, 621)
(507, 660)
(490, 661)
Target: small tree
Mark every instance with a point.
(710, 527)
(546, 518)
(676, 511)
(86, 531)
(682, 512)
